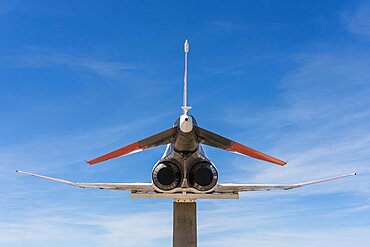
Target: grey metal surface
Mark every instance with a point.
(185, 196)
(184, 224)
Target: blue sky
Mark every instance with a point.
(80, 78)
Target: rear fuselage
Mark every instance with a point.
(184, 165)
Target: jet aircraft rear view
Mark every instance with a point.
(184, 172)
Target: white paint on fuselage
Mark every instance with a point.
(186, 123)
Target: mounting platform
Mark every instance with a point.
(184, 196)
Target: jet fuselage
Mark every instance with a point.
(184, 165)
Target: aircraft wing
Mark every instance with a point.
(212, 139)
(234, 188)
(161, 138)
(137, 187)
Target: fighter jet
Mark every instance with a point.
(184, 171)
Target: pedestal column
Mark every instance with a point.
(184, 224)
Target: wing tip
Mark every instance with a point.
(283, 163)
(89, 162)
(350, 174)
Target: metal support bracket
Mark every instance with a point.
(184, 196)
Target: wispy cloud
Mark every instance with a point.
(358, 22)
(339, 237)
(254, 222)
(47, 154)
(58, 227)
(321, 129)
(282, 221)
(46, 58)
(55, 224)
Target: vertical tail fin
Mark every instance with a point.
(185, 106)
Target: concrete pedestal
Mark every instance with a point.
(184, 224)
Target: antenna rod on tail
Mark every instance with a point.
(185, 107)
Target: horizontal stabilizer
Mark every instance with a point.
(235, 188)
(161, 138)
(137, 187)
(212, 139)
